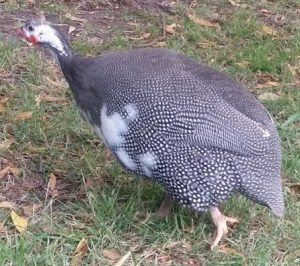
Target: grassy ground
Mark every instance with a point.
(42, 135)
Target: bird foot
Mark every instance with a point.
(165, 207)
(220, 222)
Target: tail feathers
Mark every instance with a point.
(276, 203)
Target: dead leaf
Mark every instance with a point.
(19, 222)
(293, 255)
(268, 84)
(131, 23)
(82, 247)
(55, 83)
(268, 96)
(208, 44)
(243, 64)
(2, 108)
(52, 99)
(233, 3)
(4, 99)
(136, 38)
(265, 12)
(89, 183)
(52, 181)
(5, 144)
(202, 22)
(30, 209)
(171, 28)
(227, 249)
(23, 115)
(111, 254)
(146, 35)
(268, 30)
(79, 252)
(143, 37)
(70, 17)
(161, 44)
(10, 169)
(266, 80)
(71, 29)
(123, 259)
(7, 205)
(52, 185)
(47, 98)
(4, 171)
(293, 188)
(15, 171)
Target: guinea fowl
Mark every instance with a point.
(173, 120)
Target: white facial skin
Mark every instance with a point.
(43, 33)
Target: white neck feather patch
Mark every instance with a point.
(47, 34)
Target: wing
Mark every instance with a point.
(222, 126)
(227, 89)
(167, 92)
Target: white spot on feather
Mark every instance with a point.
(265, 132)
(125, 159)
(112, 127)
(148, 162)
(131, 111)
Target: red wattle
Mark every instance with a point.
(32, 39)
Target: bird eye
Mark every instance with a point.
(30, 28)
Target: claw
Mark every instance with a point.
(220, 222)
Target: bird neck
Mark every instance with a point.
(61, 49)
(63, 52)
(57, 43)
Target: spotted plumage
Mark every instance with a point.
(178, 122)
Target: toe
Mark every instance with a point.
(220, 222)
(219, 233)
(231, 220)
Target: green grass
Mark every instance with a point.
(114, 212)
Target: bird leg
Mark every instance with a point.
(220, 222)
(165, 207)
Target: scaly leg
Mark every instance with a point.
(165, 207)
(220, 222)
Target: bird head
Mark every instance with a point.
(38, 31)
(35, 30)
